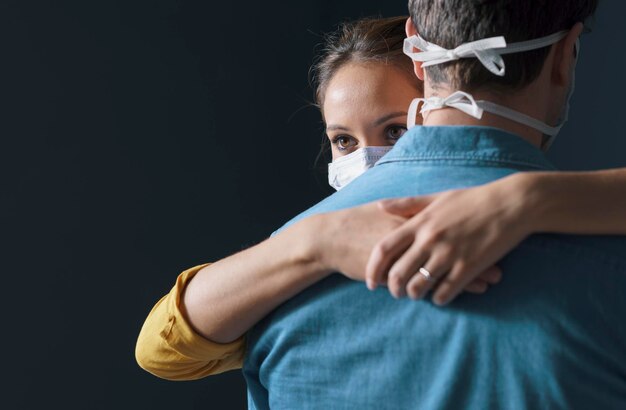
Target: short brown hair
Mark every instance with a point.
(362, 41)
(449, 23)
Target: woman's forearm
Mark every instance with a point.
(227, 298)
(576, 202)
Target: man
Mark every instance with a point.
(551, 335)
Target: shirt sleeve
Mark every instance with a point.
(169, 348)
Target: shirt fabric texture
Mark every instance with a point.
(552, 334)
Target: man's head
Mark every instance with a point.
(530, 97)
(449, 23)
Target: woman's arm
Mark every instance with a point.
(169, 348)
(576, 202)
(459, 233)
(228, 297)
(196, 330)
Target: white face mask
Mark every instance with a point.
(489, 52)
(344, 170)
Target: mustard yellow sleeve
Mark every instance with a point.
(169, 348)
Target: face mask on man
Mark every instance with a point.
(344, 170)
(489, 52)
(564, 115)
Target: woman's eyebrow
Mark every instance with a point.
(376, 123)
(387, 117)
(334, 127)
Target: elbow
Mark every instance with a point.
(144, 358)
(150, 361)
(146, 355)
(154, 355)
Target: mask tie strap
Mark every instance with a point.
(488, 51)
(412, 114)
(433, 54)
(464, 102)
(460, 100)
(534, 44)
(519, 117)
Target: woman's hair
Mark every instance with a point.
(377, 40)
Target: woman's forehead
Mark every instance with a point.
(358, 88)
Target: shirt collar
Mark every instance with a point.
(488, 145)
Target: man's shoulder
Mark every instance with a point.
(433, 159)
(557, 314)
(402, 179)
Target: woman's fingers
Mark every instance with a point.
(450, 287)
(384, 254)
(418, 286)
(426, 277)
(491, 275)
(406, 207)
(478, 286)
(404, 269)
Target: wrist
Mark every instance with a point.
(308, 242)
(534, 194)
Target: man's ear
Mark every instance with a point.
(410, 30)
(565, 56)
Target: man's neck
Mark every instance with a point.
(522, 102)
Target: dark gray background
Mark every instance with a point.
(140, 138)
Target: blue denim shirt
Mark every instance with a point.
(552, 334)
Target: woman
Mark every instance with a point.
(363, 92)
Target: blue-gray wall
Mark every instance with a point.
(142, 137)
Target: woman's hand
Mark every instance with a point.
(345, 240)
(457, 236)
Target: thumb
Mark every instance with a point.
(406, 207)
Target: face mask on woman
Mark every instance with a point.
(344, 170)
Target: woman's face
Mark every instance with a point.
(366, 105)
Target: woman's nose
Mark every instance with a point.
(373, 142)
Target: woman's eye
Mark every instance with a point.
(394, 132)
(344, 142)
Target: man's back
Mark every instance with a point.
(550, 335)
